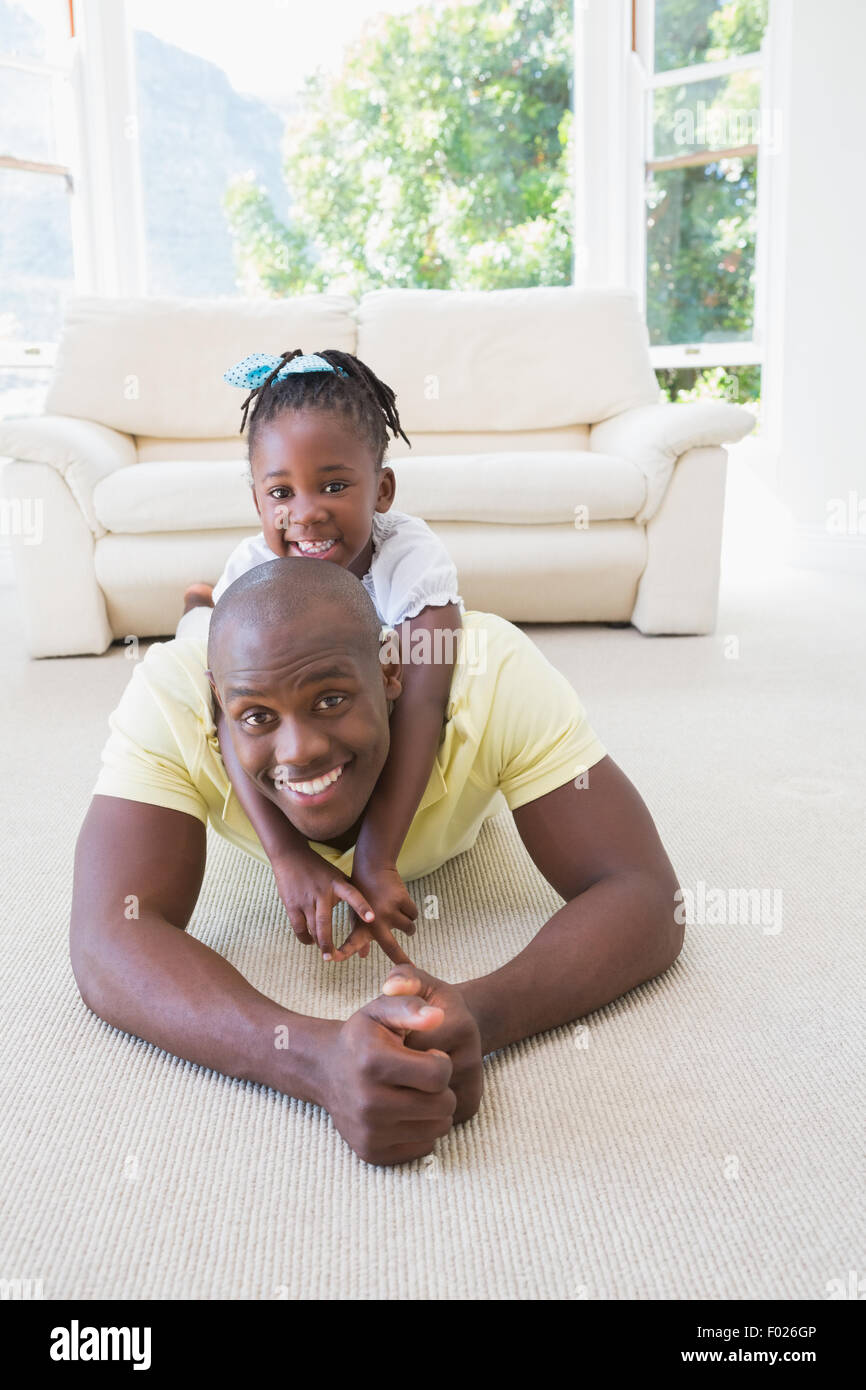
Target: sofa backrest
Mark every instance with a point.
(507, 360)
(472, 370)
(155, 366)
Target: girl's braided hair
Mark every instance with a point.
(359, 396)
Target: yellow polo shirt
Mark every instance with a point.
(514, 729)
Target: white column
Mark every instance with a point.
(608, 169)
(816, 288)
(109, 179)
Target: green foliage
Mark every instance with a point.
(697, 31)
(273, 255)
(701, 219)
(740, 385)
(701, 253)
(440, 156)
(737, 27)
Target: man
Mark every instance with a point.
(294, 655)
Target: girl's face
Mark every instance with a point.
(316, 487)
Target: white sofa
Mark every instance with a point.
(563, 489)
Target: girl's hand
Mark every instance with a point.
(310, 889)
(393, 910)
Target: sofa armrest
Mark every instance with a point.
(82, 451)
(654, 436)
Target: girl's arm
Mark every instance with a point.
(416, 729)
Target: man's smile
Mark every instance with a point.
(313, 791)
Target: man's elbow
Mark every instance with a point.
(85, 974)
(668, 923)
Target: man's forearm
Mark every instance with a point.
(150, 978)
(616, 934)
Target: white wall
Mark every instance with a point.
(816, 371)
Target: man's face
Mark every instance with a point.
(316, 487)
(307, 713)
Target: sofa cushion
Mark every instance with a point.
(156, 450)
(519, 359)
(155, 366)
(181, 496)
(525, 488)
(517, 488)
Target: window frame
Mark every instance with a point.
(751, 352)
(17, 354)
(100, 163)
(612, 102)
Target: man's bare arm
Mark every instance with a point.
(599, 848)
(144, 974)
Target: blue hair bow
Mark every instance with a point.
(252, 371)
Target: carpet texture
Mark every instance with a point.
(699, 1138)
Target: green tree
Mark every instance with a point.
(697, 31)
(701, 220)
(438, 157)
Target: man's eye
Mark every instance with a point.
(256, 718)
(339, 487)
(280, 493)
(330, 701)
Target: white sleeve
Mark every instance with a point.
(411, 569)
(251, 552)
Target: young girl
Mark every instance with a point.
(317, 439)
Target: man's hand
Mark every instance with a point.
(310, 889)
(390, 1102)
(457, 1034)
(393, 910)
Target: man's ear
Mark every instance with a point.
(389, 660)
(255, 499)
(212, 684)
(392, 675)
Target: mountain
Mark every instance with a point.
(196, 133)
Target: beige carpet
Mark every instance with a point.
(697, 1139)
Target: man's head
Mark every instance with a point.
(294, 661)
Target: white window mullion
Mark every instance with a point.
(773, 177)
(644, 36)
(579, 171)
(704, 72)
(634, 210)
(112, 226)
(602, 141)
(700, 355)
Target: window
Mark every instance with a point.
(354, 144)
(704, 131)
(201, 149)
(36, 188)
